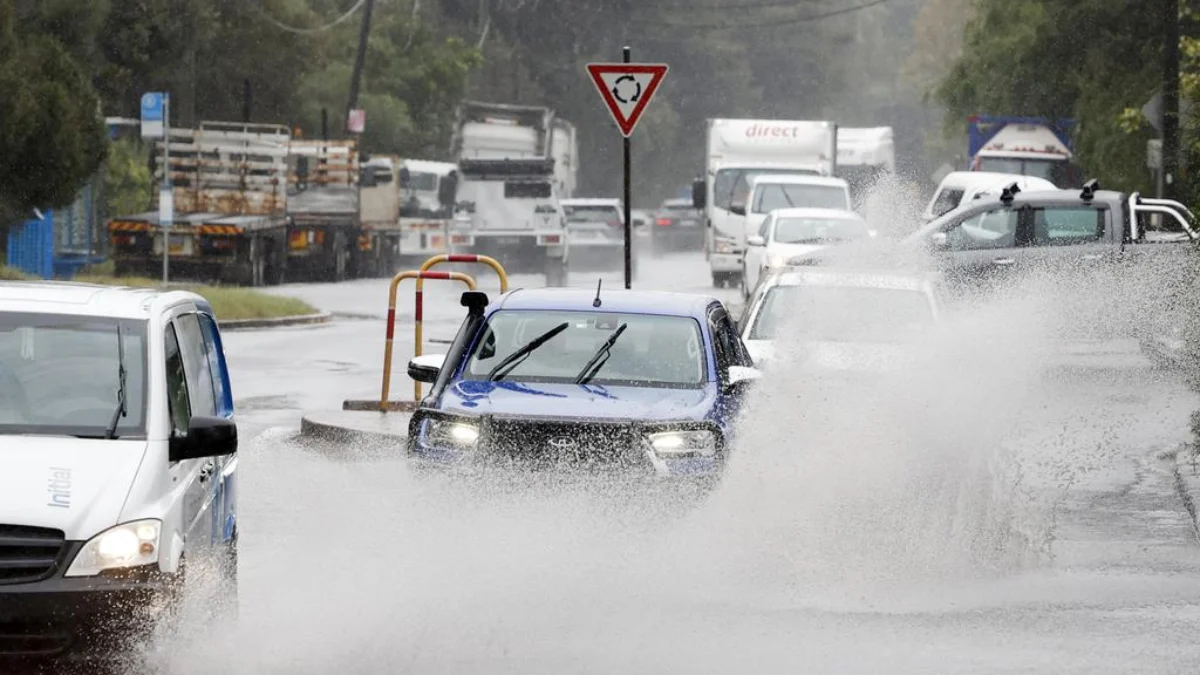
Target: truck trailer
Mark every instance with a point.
(229, 192)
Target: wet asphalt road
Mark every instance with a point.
(811, 558)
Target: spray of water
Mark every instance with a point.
(838, 493)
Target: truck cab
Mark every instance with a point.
(1029, 146)
(421, 188)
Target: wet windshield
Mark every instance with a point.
(842, 314)
(816, 230)
(653, 351)
(781, 196)
(732, 186)
(59, 375)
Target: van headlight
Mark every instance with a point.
(679, 444)
(129, 545)
(453, 434)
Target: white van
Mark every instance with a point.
(770, 192)
(960, 187)
(118, 461)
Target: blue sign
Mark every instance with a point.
(152, 107)
(154, 113)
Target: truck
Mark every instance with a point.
(427, 191)
(738, 150)
(514, 166)
(323, 210)
(228, 188)
(864, 155)
(1030, 146)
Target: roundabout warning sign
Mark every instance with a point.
(626, 89)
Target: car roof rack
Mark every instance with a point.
(1007, 194)
(1089, 190)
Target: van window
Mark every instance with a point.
(216, 363)
(195, 362)
(769, 197)
(177, 386)
(947, 200)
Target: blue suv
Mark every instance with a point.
(642, 382)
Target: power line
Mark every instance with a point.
(261, 11)
(769, 23)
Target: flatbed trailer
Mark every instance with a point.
(324, 229)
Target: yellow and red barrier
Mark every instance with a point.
(420, 276)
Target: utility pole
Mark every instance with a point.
(1170, 97)
(359, 60)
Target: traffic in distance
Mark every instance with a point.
(120, 470)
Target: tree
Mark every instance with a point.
(52, 139)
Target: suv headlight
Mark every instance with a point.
(680, 444)
(130, 545)
(452, 434)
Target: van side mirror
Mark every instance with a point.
(206, 437)
(699, 193)
(425, 368)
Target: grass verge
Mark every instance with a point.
(229, 303)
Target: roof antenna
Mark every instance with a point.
(596, 302)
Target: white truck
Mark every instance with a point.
(864, 155)
(515, 165)
(738, 150)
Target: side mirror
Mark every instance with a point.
(755, 240)
(404, 175)
(699, 193)
(940, 240)
(425, 368)
(448, 189)
(366, 177)
(740, 377)
(206, 437)
(737, 209)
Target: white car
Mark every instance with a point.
(596, 233)
(845, 320)
(118, 461)
(786, 233)
(962, 187)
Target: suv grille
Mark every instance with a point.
(552, 443)
(28, 553)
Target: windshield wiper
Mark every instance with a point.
(598, 359)
(514, 359)
(121, 410)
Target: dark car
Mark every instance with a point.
(642, 384)
(678, 226)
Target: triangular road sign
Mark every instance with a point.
(627, 89)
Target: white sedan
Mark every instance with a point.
(786, 233)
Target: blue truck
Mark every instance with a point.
(1029, 146)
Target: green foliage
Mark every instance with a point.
(52, 140)
(126, 180)
(1093, 60)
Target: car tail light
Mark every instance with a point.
(663, 222)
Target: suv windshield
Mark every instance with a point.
(732, 186)
(816, 230)
(842, 314)
(58, 374)
(781, 196)
(652, 351)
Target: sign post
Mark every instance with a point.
(156, 123)
(626, 89)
